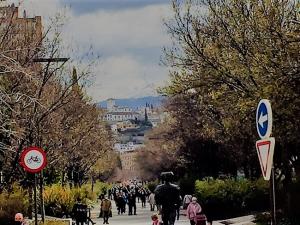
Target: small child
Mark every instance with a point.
(155, 220)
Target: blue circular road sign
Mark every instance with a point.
(264, 119)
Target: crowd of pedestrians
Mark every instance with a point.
(165, 200)
(128, 194)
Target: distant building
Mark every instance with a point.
(110, 104)
(112, 107)
(129, 127)
(129, 146)
(120, 116)
(20, 30)
(122, 126)
(128, 161)
(128, 154)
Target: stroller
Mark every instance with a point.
(200, 219)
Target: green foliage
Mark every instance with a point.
(49, 222)
(60, 200)
(231, 197)
(13, 201)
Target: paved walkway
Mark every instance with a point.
(144, 214)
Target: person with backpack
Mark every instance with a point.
(79, 212)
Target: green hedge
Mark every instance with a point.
(51, 223)
(59, 201)
(229, 198)
(13, 201)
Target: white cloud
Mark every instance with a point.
(128, 40)
(119, 30)
(46, 8)
(125, 76)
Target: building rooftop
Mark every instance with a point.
(122, 113)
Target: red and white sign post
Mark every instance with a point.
(33, 160)
(265, 151)
(265, 147)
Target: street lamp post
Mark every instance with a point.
(41, 183)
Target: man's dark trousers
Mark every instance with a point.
(168, 217)
(105, 216)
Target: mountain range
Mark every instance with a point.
(133, 103)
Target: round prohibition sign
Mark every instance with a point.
(33, 159)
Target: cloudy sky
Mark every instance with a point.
(127, 34)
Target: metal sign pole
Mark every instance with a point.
(33, 159)
(35, 201)
(274, 222)
(42, 196)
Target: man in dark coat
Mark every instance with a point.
(80, 212)
(131, 204)
(167, 198)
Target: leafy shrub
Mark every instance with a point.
(100, 188)
(229, 198)
(52, 223)
(11, 202)
(59, 201)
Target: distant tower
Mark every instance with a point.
(146, 115)
(75, 83)
(110, 104)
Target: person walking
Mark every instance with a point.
(106, 208)
(178, 208)
(187, 199)
(143, 195)
(131, 203)
(209, 210)
(167, 198)
(123, 203)
(119, 202)
(79, 212)
(193, 209)
(152, 201)
(19, 219)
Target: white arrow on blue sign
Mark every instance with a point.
(264, 119)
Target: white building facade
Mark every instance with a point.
(130, 146)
